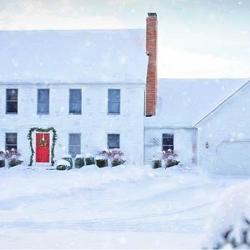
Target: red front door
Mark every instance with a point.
(42, 147)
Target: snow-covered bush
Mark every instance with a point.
(63, 165)
(2, 159)
(101, 161)
(69, 159)
(89, 160)
(14, 162)
(114, 156)
(169, 158)
(157, 159)
(156, 164)
(117, 162)
(12, 156)
(79, 161)
(229, 226)
(13, 153)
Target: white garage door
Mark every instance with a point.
(233, 157)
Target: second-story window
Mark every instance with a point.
(11, 101)
(75, 101)
(43, 101)
(114, 96)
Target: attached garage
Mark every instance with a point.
(224, 136)
(233, 157)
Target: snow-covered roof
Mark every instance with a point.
(73, 56)
(183, 102)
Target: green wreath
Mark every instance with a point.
(54, 138)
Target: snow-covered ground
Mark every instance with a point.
(122, 207)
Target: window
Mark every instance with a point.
(114, 101)
(113, 141)
(167, 142)
(11, 101)
(75, 101)
(74, 144)
(10, 141)
(43, 101)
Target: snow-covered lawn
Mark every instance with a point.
(122, 207)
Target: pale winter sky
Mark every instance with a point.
(197, 38)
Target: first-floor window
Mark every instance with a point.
(10, 141)
(113, 141)
(74, 144)
(167, 142)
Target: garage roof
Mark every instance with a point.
(184, 102)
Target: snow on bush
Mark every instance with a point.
(79, 161)
(89, 159)
(229, 226)
(115, 156)
(2, 159)
(12, 156)
(167, 158)
(63, 164)
(157, 160)
(69, 159)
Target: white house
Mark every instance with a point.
(80, 91)
(87, 86)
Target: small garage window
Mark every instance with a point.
(167, 142)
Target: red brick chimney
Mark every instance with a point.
(151, 47)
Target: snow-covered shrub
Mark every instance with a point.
(13, 153)
(14, 162)
(157, 159)
(12, 157)
(101, 161)
(89, 160)
(63, 165)
(117, 162)
(114, 156)
(229, 226)
(156, 164)
(2, 159)
(169, 158)
(79, 161)
(69, 159)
